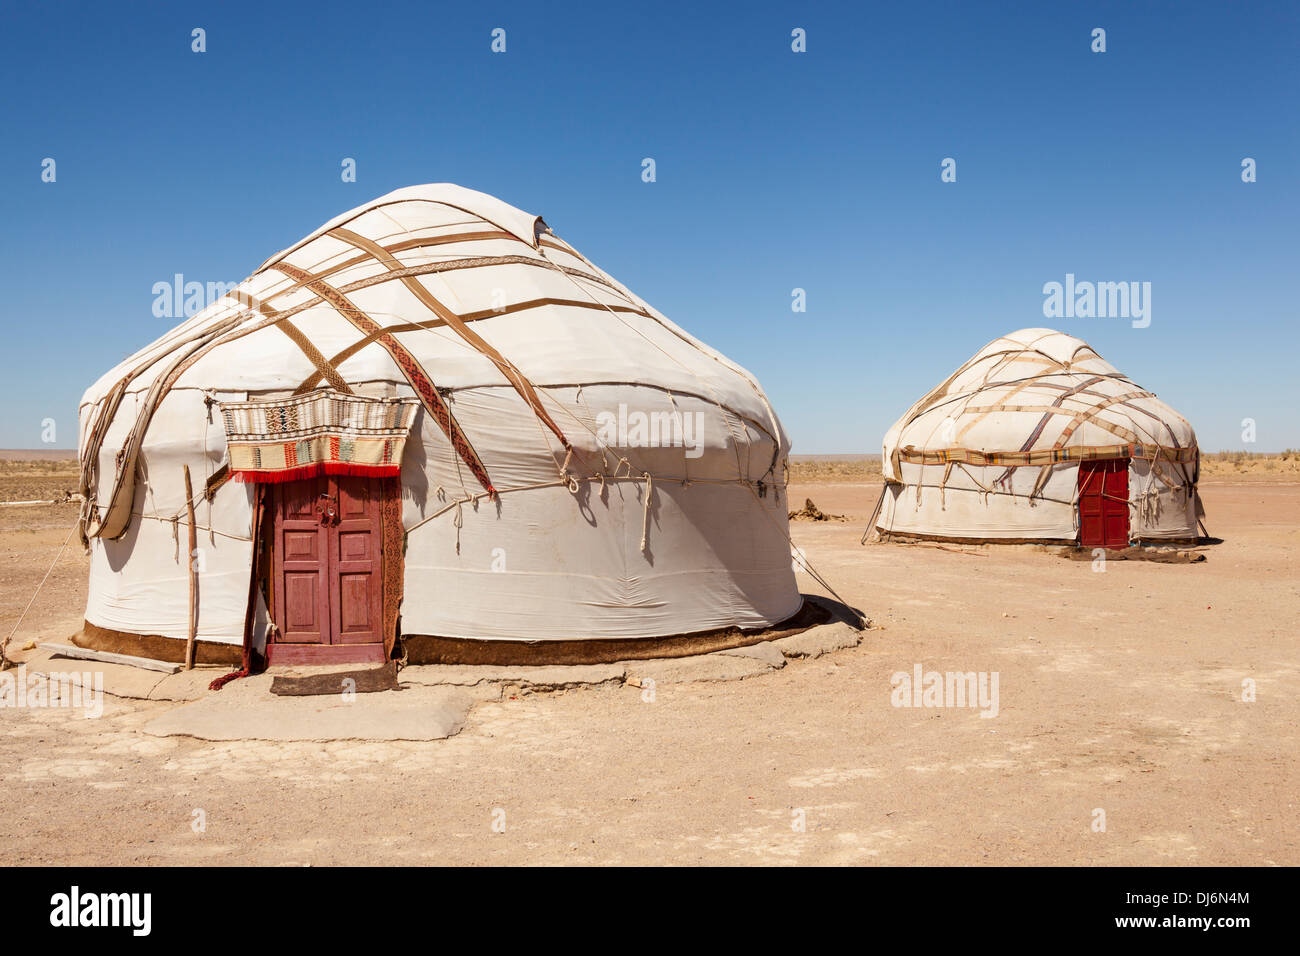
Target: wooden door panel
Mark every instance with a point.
(298, 499)
(355, 605)
(301, 546)
(302, 622)
(355, 546)
(355, 499)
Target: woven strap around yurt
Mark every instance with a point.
(324, 367)
(411, 368)
(426, 298)
(1043, 456)
(346, 353)
(323, 432)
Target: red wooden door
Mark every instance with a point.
(1103, 503)
(328, 570)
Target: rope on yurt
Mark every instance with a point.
(458, 522)
(570, 481)
(228, 329)
(645, 517)
(570, 450)
(982, 487)
(736, 442)
(5, 663)
(602, 478)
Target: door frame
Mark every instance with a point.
(1122, 465)
(391, 559)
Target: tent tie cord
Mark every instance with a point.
(570, 480)
(602, 478)
(722, 409)
(4, 659)
(645, 517)
(458, 522)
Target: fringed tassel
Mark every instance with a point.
(221, 682)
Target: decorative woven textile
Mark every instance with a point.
(323, 432)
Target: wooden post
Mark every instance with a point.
(194, 574)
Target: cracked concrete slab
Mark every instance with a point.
(122, 680)
(246, 710)
(817, 641)
(528, 679)
(433, 701)
(762, 651)
(707, 667)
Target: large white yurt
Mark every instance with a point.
(433, 420)
(1038, 438)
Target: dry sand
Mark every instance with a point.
(1119, 691)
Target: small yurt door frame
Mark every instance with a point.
(335, 572)
(1103, 503)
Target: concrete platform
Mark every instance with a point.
(246, 710)
(432, 702)
(131, 683)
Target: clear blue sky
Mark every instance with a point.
(775, 170)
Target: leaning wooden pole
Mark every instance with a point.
(194, 573)
(875, 513)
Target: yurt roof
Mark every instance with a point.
(428, 291)
(549, 311)
(1036, 396)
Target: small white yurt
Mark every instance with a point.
(433, 428)
(1037, 438)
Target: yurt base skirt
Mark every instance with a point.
(429, 649)
(156, 647)
(901, 538)
(953, 539)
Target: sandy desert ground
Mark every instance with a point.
(1120, 691)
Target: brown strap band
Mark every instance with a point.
(415, 374)
(355, 347)
(324, 367)
(429, 301)
(419, 243)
